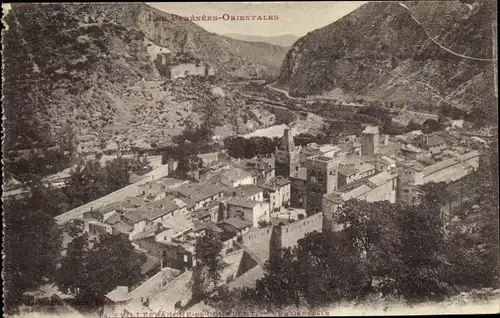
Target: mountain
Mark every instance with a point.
(93, 67)
(285, 40)
(231, 57)
(416, 51)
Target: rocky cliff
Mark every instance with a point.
(412, 51)
(230, 56)
(93, 67)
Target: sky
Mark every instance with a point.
(296, 18)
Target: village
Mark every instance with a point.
(259, 204)
(162, 168)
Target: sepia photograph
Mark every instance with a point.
(250, 159)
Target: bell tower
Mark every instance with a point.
(287, 155)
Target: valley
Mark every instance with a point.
(161, 165)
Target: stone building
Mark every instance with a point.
(370, 141)
(322, 178)
(287, 155)
(299, 182)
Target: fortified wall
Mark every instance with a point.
(262, 241)
(452, 169)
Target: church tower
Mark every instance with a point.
(287, 155)
(322, 178)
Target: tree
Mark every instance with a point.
(422, 251)
(86, 183)
(430, 126)
(206, 274)
(435, 195)
(228, 301)
(111, 262)
(71, 270)
(117, 174)
(371, 228)
(67, 139)
(89, 180)
(32, 243)
(473, 242)
(52, 201)
(279, 286)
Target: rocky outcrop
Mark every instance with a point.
(231, 57)
(416, 51)
(94, 67)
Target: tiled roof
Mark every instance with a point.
(355, 193)
(165, 204)
(123, 227)
(275, 183)
(153, 213)
(243, 202)
(134, 216)
(178, 223)
(347, 170)
(238, 223)
(365, 167)
(435, 140)
(380, 179)
(245, 190)
(199, 191)
(112, 218)
(199, 226)
(136, 201)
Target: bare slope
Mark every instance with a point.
(395, 52)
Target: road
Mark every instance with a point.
(283, 91)
(442, 46)
(313, 98)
